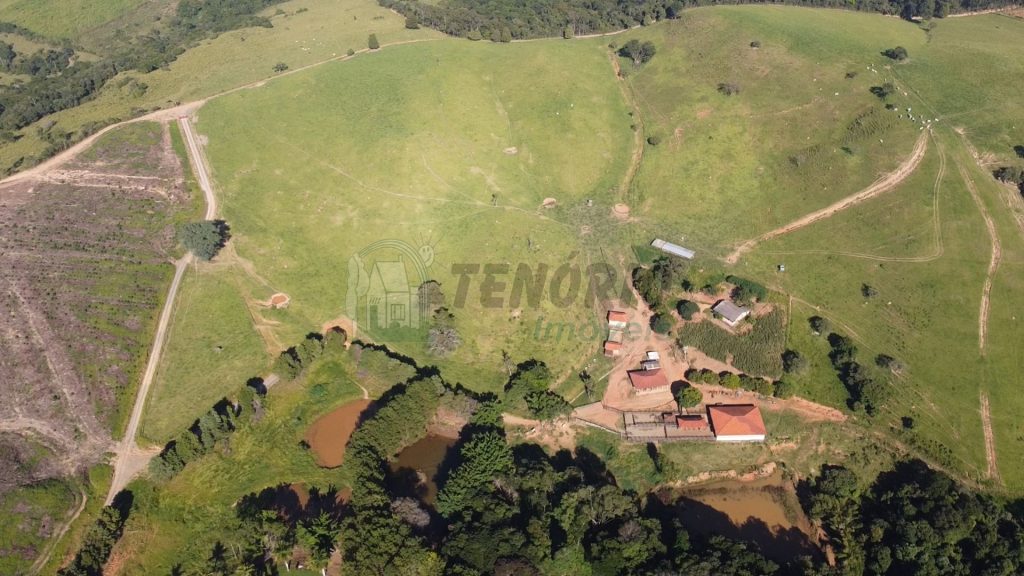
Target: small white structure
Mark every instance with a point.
(673, 249)
(653, 355)
(731, 314)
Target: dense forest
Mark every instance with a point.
(545, 18)
(60, 80)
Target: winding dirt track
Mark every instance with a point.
(882, 185)
(990, 439)
(993, 263)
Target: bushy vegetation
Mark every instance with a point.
(99, 540)
(527, 393)
(688, 397)
(758, 352)
(746, 291)
(687, 309)
(913, 520)
(866, 390)
(204, 238)
(550, 18)
(652, 282)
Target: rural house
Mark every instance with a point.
(649, 381)
(736, 423)
(617, 320)
(731, 313)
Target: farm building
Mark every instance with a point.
(731, 313)
(736, 423)
(673, 249)
(651, 362)
(649, 381)
(647, 426)
(612, 348)
(617, 320)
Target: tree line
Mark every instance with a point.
(478, 19)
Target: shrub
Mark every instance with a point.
(783, 389)
(898, 53)
(350, 52)
(793, 362)
(204, 238)
(661, 323)
(412, 22)
(474, 35)
(687, 309)
(372, 42)
(746, 290)
(819, 325)
(729, 88)
(280, 67)
(868, 291)
(443, 340)
(884, 91)
(568, 34)
(654, 140)
(731, 381)
(688, 397)
(755, 44)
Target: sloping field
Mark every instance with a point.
(447, 147)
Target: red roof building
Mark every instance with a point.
(648, 381)
(737, 423)
(612, 348)
(617, 318)
(691, 422)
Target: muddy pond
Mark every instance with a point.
(414, 470)
(764, 512)
(329, 434)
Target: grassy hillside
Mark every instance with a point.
(317, 166)
(68, 19)
(304, 32)
(445, 146)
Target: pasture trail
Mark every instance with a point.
(936, 230)
(880, 186)
(990, 439)
(638, 134)
(993, 263)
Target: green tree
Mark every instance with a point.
(280, 67)
(412, 22)
(485, 458)
(819, 325)
(688, 397)
(662, 323)
(793, 362)
(783, 389)
(506, 35)
(568, 33)
(732, 381)
(372, 43)
(687, 309)
(898, 53)
(474, 35)
(638, 52)
(204, 238)
(7, 55)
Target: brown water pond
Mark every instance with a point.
(414, 470)
(764, 512)
(329, 434)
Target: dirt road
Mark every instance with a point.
(130, 459)
(882, 185)
(993, 263)
(990, 439)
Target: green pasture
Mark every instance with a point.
(64, 19)
(212, 349)
(309, 31)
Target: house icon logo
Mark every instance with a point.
(382, 292)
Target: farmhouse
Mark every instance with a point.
(673, 249)
(736, 423)
(617, 320)
(649, 381)
(731, 313)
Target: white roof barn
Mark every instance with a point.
(673, 249)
